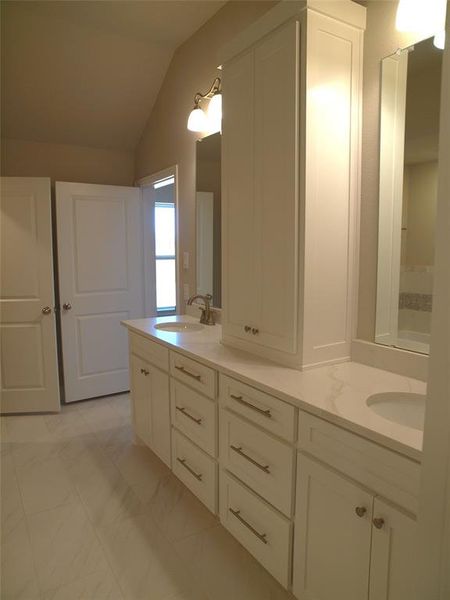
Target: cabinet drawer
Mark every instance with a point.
(195, 469)
(263, 409)
(259, 528)
(387, 473)
(154, 353)
(194, 415)
(194, 374)
(262, 462)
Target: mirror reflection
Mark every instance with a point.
(410, 104)
(208, 217)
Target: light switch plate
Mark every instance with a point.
(186, 291)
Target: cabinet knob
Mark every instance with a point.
(145, 372)
(67, 306)
(255, 331)
(46, 310)
(247, 328)
(360, 511)
(378, 522)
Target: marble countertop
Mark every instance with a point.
(336, 393)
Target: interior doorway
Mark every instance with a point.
(161, 264)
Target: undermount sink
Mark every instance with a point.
(404, 408)
(179, 326)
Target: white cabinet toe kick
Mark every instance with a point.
(327, 512)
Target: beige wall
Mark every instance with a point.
(166, 141)
(381, 39)
(62, 162)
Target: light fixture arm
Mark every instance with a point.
(213, 90)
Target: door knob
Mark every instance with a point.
(46, 310)
(378, 522)
(67, 306)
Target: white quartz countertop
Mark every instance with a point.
(336, 393)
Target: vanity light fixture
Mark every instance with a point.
(210, 121)
(424, 18)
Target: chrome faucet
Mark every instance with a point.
(207, 316)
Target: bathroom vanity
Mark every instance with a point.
(317, 486)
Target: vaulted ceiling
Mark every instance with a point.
(88, 72)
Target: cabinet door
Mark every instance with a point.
(160, 414)
(276, 187)
(393, 539)
(332, 543)
(151, 406)
(140, 397)
(238, 210)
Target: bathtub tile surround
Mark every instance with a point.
(251, 439)
(128, 528)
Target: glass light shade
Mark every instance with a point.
(215, 114)
(197, 120)
(417, 16)
(439, 40)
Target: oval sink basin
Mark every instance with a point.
(178, 326)
(404, 408)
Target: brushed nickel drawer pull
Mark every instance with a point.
(260, 536)
(238, 450)
(184, 412)
(261, 411)
(188, 468)
(186, 372)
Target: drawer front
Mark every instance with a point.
(387, 473)
(154, 353)
(261, 461)
(258, 527)
(195, 469)
(193, 374)
(265, 410)
(194, 415)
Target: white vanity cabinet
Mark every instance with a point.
(348, 543)
(259, 184)
(328, 512)
(354, 524)
(150, 402)
(291, 112)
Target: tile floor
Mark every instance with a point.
(88, 515)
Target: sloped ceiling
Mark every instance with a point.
(88, 72)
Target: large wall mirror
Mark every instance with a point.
(410, 99)
(208, 217)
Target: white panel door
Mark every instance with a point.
(393, 541)
(100, 282)
(29, 368)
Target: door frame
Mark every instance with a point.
(149, 245)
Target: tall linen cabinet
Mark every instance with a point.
(292, 89)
